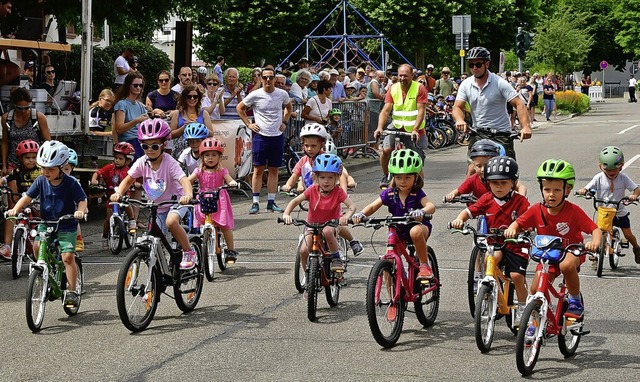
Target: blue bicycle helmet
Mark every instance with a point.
(73, 158)
(195, 130)
(327, 163)
(503, 152)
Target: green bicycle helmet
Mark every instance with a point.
(405, 161)
(611, 158)
(557, 169)
(335, 111)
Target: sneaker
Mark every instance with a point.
(384, 181)
(273, 207)
(517, 315)
(392, 313)
(232, 256)
(189, 260)
(337, 265)
(356, 247)
(70, 299)
(636, 254)
(575, 309)
(5, 252)
(425, 273)
(255, 207)
(105, 243)
(132, 226)
(80, 244)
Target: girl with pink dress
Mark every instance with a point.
(211, 175)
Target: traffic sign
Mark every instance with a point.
(603, 64)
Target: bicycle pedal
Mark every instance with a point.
(621, 254)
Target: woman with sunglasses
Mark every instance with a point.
(212, 101)
(19, 124)
(163, 100)
(49, 83)
(189, 110)
(130, 112)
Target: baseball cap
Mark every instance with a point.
(351, 70)
(351, 85)
(28, 64)
(360, 70)
(288, 82)
(303, 59)
(430, 66)
(333, 72)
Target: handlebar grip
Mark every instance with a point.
(280, 221)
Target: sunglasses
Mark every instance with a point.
(191, 96)
(163, 80)
(213, 83)
(22, 107)
(50, 71)
(268, 78)
(476, 64)
(153, 147)
(446, 72)
(137, 85)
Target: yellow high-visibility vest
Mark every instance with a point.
(405, 112)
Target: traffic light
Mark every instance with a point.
(521, 47)
(528, 40)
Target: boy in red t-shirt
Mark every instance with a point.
(501, 206)
(559, 217)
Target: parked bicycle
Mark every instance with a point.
(291, 149)
(21, 243)
(118, 232)
(390, 287)
(47, 276)
(150, 268)
(542, 319)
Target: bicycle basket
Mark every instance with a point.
(209, 202)
(605, 218)
(547, 247)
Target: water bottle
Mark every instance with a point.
(482, 224)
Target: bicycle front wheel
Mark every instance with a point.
(137, 294)
(36, 300)
(476, 264)
(614, 255)
(313, 287)
(72, 311)
(385, 315)
(222, 254)
(428, 303)
(529, 338)
(485, 320)
(17, 252)
(116, 234)
(209, 253)
(299, 273)
(603, 251)
(188, 289)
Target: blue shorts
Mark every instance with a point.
(622, 221)
(161, 219)
(267, 150)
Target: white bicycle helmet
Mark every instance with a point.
(202, 70)
(330, 147)
(52, 154)
(313, 129)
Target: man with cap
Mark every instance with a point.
(360, 76)
(29, 68)
(444, 85)
(303, 63)
(431, 82)
(337, 94)
(351, 78)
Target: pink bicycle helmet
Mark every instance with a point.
(211, 144)
(27, 146)
(155, 128)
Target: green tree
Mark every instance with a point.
(563, 41)
(626, 11)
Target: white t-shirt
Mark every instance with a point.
(120, 62)
(621, 184)
(298, 92)
(215, 114)
(188, 161)
(267, 109)
(318, 109)
(632, 82)
(177, 88)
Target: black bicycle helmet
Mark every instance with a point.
(478, 52)
(484, 148)
(501, 168)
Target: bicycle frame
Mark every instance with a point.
(550, 318)
(500, 283)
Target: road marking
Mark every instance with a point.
(627, 129)
(628, 163)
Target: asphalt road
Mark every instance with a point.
(251, 323)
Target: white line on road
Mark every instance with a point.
(628, 163)
(627, 129)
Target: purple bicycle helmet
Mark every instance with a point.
(155, 128)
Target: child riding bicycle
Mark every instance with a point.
(59, 195)
(404, 196)
(325, 200)
(501, 206)
(612, 183)
(558, 217)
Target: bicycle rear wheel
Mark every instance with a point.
(116, 234)
(313, 287)
(72, 311)
(603, 251)
(17, 252)
(36, 300)
(569, 341)
(436, 138)
(476, 264)
(299, 273)
(188, 289)
(614, 255)
(528, 346)
(449, 129)
(485, 321)
(427, 304)
(209, 253)
(385, 315)
(136, 304)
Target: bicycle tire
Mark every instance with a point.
(188, 289)
(116, 232)
(484, 319)
(332, 291)
(209, 254)
(428, 311)
(476, 255)
(603, 251)
(527, 353)
(222, 254)
(436, 138)
(449, 129)
(299, 274)
(568, 343)
(137, 314)
(378, 307)
(129, 236)
(36, 300)
(79, 288)
(463, 139)
(614, 256)
(17, 252)
(313, 287)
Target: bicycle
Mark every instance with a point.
(318, 273)
(390, 287)
(611, 244)
(153, 265)
(495, 295)
(118, 232)
(47, 276)
(440, 132)
(541, 319)
(21, 245)
(291, 156)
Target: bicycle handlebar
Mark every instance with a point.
(591, 194)
(298, 222)
(575, 249)
(495, 234)
(389, 220)
(462, 198)
(151, 204)
(512, 135)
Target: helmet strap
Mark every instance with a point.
(505, 198)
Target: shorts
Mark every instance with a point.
(622, 221)
(501, 138)
(418, 147)
(161, 219)
(403, 229)
(554, 269)
(513, 263)
(267, 150)
(67, 240)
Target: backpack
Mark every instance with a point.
(34, 121)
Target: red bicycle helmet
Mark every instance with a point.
(27, 146)
(124, 148)
(211, 144)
